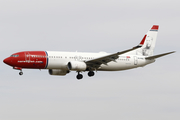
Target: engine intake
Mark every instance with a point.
(77, 66)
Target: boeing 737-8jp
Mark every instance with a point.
(61, 63)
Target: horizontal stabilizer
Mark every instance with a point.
(157, 56)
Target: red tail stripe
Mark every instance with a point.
(155, 27)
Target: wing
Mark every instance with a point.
(96, 63)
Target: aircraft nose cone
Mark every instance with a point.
(6, 61)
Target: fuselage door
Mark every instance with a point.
(135, 60)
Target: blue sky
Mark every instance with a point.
(151, 92)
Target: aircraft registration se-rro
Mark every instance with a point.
(61, 63)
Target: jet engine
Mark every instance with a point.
(77, 66)
(58, 72)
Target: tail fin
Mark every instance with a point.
(149, 41)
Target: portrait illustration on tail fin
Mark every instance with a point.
(146, 50)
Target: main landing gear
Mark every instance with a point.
(90, 73)
(80, 76)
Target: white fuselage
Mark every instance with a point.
(59, 60)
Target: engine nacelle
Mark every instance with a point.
(77, 66)
(58, 72)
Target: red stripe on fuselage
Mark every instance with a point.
(29, 59)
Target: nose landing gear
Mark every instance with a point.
(18, 68)
(20, 73)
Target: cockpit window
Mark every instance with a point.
(14, 56)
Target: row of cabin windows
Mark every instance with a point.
(36, 56)
(124, 59)
(81, 57)
(73, 57)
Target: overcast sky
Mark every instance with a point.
(149, 93)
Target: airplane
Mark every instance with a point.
(61, 63)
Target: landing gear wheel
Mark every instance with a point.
(79, 76)
(20, 73)
(90, 73)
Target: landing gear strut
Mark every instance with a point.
(90, 73)
(79, 76)
(18, 68)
